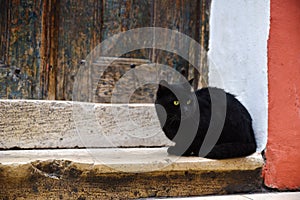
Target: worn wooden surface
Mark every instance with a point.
(72, 174)
(121, 80)
(62, 124)
(20, 31)
(106, 73)
(46, 40)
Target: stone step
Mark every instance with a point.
(121, 173)
(62, 124)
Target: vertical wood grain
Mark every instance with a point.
(20, 48)
(43, 42)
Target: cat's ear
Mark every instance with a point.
(191, 81)
(162, 87)
(163, 84)
(188, 85)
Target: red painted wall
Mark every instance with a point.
(282, 170)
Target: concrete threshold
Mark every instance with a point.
(122, 173)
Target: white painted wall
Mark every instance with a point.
(239, 32)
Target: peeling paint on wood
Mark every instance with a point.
(20, 47)
(47, 39)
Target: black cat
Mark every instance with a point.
(188, 117)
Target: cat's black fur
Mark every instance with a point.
(236, 138)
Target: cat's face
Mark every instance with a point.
(178, 100)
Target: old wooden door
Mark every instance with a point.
(44, 42)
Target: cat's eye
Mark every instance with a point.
(176, 103)
(189, 102)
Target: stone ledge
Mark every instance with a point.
(64, 124)
(122, 174)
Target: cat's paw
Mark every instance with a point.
(174, 150)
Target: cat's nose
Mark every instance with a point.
(185, 110)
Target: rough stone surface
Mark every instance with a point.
(104, 173)
(63, 124)
(73, 174)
